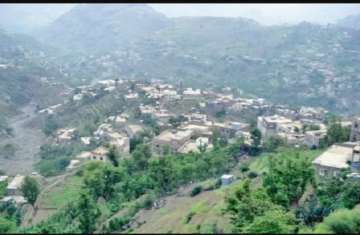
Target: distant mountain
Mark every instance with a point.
(25, 18)
(94, 27)
(304, 64)
(352, 21)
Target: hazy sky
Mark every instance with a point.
(264, 13)
(22, 17)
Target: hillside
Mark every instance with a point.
(25, 75)
(352, 21)
(96, 28)
(305, 64)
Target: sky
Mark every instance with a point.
(26, 17)
(264, 13)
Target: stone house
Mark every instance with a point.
(335, 159)
(171, 138)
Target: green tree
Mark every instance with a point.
(272, 143)
(343, 221)
(113, 156)
(311, 211)
(7, 226)
(162, 172)
(30, 189)
(247, 203)
(175, 122)
(287, 178)
(141, 155)
(273, 222)
(336, 133)
(88, 213)
(50, 125)
(256, 141)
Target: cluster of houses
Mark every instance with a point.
(304, 126)
(292, 131)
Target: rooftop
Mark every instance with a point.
(169, 136)
(336, 156)
(16, 182)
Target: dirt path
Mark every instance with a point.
(32, 217)
(27, 140)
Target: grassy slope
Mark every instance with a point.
(259, 164)
(63, 193)
(205, 207)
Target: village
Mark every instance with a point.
(188, 120)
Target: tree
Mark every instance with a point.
(272, 143)
(113, 156)
(175, 122)
(287, 178)
(30, 189)
(256, 141)
(246, 203)
(141, 155)
(339, 192)
(50, 125)
(89, 212)
(273, 222)
(235, 149)
(6, 226)
(336, 133)
(343, 221)
(162, 172)
(311, 211)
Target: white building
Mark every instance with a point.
(14, 188)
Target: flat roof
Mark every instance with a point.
(16, 182)
(336, 157)
(168, 135)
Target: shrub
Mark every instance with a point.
(189, 217)
(244, 168)
(342, 221)
(196, 190)
(252, 175)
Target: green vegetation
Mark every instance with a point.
(196, 190)
(64, 193)
(287, 178)
(6, 225)
(251, 210)
(3, 186)
(30, 189)
(10, 217)
(343, 221)
(50, 126)
(54, 158)
(176, 121)
(138, 176)
(113, 156)
(256, 141)
(335, 133)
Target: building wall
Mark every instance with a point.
(355, 131)
(324, 171)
